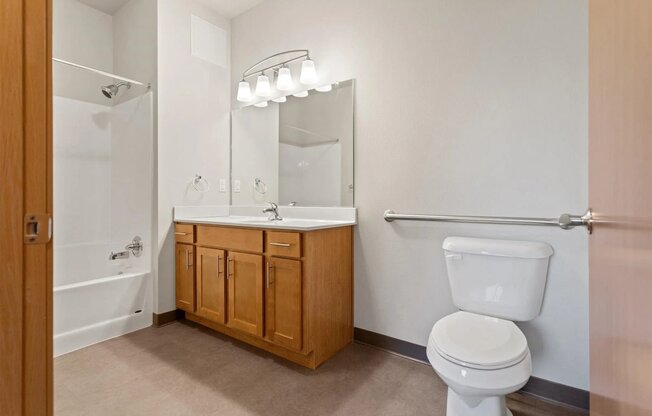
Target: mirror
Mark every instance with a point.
(299, 152)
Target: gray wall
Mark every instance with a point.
(472, 107)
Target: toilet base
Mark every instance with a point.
(475, 406)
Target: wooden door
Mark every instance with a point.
(245, 301)
(185, 277)
(211, 284)
(284, 302)
(620, 192)
(25, 189)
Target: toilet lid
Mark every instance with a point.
(479, 341)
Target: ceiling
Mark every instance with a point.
(106, 6)
(231, 8)
(226, 8)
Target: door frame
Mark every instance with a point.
(26, 170)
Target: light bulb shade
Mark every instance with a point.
(301, 94)
(284, 80)
(261, 104)
(280, 100)
(325, 88)
(308, 73)
(244, 92)
(262, 86)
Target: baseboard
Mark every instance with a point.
(544, 389)
(160, 319)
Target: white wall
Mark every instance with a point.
(463, 107)
(83, 35)
(193, 127)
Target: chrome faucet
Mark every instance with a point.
(273, 209)
(119, 255)
(136, 246)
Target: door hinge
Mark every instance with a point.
(37, 228)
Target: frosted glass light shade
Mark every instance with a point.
(261, 104)
(244, 92)
(301, 94)
(280, 100)
(262, 86)
(284, 80)
(308, 72)
(325, 88)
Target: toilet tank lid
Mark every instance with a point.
(500, 248)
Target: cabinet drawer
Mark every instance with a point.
(283, 244)
(230, 238)
(184, 233)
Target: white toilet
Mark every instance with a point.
(479, 352)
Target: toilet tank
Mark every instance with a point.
(500, 278)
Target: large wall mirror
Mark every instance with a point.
(299, 152)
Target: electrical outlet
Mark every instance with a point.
(222, 185)
(236, 185)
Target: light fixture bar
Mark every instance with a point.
(254, 70)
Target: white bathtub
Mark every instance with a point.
(96, 309)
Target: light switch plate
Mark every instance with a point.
(236, 185)
(222, 185)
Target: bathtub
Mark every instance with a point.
(91, 310)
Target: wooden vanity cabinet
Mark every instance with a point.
(211, 284)
(245, 281)
(284, 302)
(287, 292)
(185, 277)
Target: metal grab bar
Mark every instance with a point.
(565, 221)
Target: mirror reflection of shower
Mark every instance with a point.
(112, 90)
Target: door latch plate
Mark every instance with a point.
(37, 228)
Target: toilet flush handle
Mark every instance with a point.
(454, 256)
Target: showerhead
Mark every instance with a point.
(111, 91)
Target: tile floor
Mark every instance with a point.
(182, 369)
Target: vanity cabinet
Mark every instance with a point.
(287, 292)
(284, 302)
(211, 284)
(245, 281)
(185, 277)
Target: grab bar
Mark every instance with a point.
(565, 221)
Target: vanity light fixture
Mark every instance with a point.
(244, 91)
(262, 86)
(261, 104)
(325, 88)
(308, 72)
(301, 94)
(284, 80)
(280, 99)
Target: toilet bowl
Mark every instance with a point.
(481, 359)
(479, 352)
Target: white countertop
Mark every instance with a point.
(294, 218)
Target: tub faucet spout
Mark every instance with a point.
(119, 255)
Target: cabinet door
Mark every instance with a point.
(284, 302)
(211, 285)
(245, 301)
(185, 277)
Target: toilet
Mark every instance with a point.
(479, 352)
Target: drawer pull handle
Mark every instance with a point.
(180, 233)
(219, 261)
(280, 244)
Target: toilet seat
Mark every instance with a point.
(478, 341)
